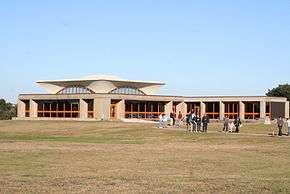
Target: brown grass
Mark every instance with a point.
(113, 157)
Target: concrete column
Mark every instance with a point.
(182, 107)
(20, 109)
(202, 108)
(287, 109)
(241, 110)
(222, 110)
(102, 108)
(83, 109)
(121, 110)
(33, 106)
(168, 108)
(262, 109)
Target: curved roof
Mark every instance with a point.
(103, 77)
(100, 77)
(100, 84)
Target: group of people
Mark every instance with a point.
(194, 123)
(232, 126)
(172, 120)
(280, 124)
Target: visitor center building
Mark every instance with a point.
(112, 98)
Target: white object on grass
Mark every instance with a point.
(267, 121)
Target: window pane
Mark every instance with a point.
(127, 90)
(75, 90)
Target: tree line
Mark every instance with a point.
(282, 90)
(7, 110)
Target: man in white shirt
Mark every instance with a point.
(288, 122)
(161, 124)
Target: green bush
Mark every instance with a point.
(280, 91)
(7, 110)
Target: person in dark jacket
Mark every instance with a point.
(172, 116)
(280, 124)
(205, 121)
(188, 118)
(237, 124)
(198, 123)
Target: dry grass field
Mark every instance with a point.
(113, 157)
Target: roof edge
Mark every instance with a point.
(274, 97)
(83, 80)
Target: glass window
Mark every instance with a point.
(127, 90)
(59, 108)
(75, 90)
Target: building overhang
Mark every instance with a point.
(100, 84)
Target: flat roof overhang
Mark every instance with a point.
(84, 82)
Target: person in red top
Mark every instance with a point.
(179, 116)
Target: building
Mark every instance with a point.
(110, 97)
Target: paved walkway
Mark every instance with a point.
(220, 132)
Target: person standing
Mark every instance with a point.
(187, 120)
(193, 123)
(179, 118)
(237, 123)
(172, 116)
(198, 123)
(160, 121)
(226, 124)
(179, 115)
(280, 124)
(288, 123)
(205, 121)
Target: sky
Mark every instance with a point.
(205, 47)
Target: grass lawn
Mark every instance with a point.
(114, 157)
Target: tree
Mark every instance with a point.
(7, 110)
(280, 91)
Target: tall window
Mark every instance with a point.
(212, 109)
(127, 90)
(75, 90)
(252, 110)
(143, 109)
(59, 108)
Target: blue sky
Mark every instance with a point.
(225, 47)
